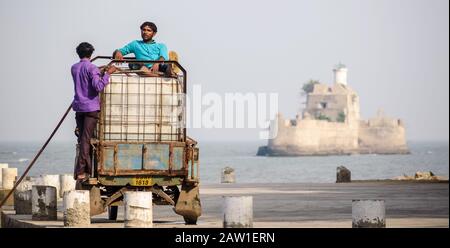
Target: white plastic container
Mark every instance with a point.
(143, 108)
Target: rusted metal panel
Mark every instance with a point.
(170, 157)
(115, 157)
(108, 158)
(129, 157)
(112, 143)
(156, 157)
(196, 163)
(142, 159)
(143, 172)
(193, 164)
(178, 158)
(191, 170)
(128, 180)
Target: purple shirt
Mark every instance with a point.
(88, 82)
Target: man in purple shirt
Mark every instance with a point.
(88, 82)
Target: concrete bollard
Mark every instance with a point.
(8, 177)
(368, 213)
(238, 211)
(343, 175)
(2, 165)
(22, 197)
(77, 211)
(3, 194)
(66, 183)
(228, 175)
(43, 202)
(138, 209)
(37, 180)
(51, 180)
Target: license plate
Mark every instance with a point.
(141, 181)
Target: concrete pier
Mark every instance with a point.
(228, 175)
(238, 211)
(287, 205)
(8, 177)
(368, 214)
(76, 208)
(67, 183)
(43, 202)
(51, 180)
(138, 209)
(3, 194)
(2, 165)
(22, 197)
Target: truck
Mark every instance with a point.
(141, 144)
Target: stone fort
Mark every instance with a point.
(330, 124)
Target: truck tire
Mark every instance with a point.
(112, 212)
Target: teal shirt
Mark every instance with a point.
(145, 51)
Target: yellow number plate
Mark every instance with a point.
(141, 181)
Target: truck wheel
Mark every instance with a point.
(190, 221)
(112, 212)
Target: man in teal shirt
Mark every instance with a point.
(147, 49)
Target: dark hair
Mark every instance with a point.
(151, 25)
(85, 50)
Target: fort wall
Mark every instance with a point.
(330, 124)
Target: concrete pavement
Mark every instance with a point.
(408, 204)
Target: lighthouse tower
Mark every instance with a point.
(340, 74)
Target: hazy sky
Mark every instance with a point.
(396, 51)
